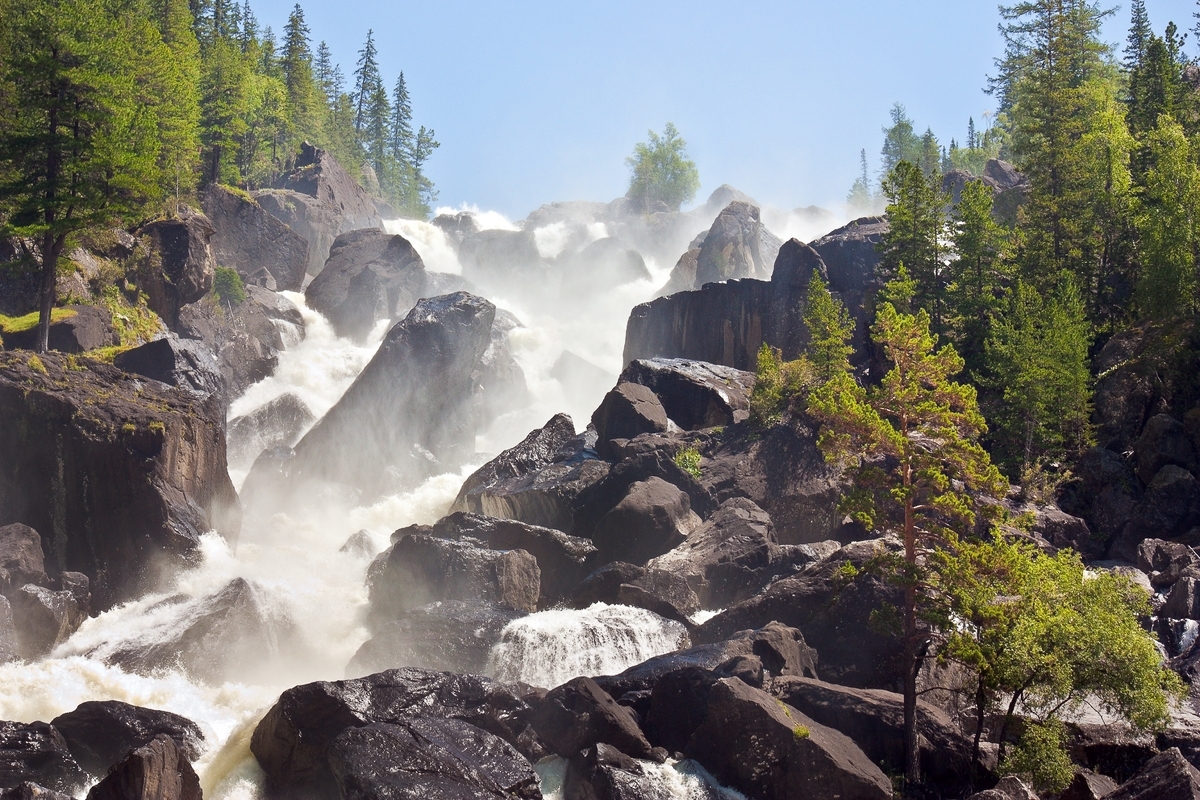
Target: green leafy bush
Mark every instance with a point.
(228, 287)
(688, 460)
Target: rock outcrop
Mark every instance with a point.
(37, 753)
(184, 363)
(122, 475)
(263, 250)
(407, 415)
(738, 245)
(174, 263)
(101, 733)
(320, 201)
(281, 422)
(369, 276)
(158, 770)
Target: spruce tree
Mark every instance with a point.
(1168, 223)
(977, 274)
(916, 236)
(172, 89)
(366, 82)
(900, 143)
(1139, 35)
(223, 89)
(860, 198)
(829, 330)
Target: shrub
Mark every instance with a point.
(688, 460)
(776, 384)
(1042, 756)
(228, 287)
(36, 364)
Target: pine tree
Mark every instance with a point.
(900, 143)
(297, 67)
(1139, 35)
(910, 447)
(1168, 223)
(402, 141)
(367, 82)
(1037, 357)
(172, 88)
(249, 36)
(223, 88)
(327, 74)
(930, 155)
(916, 236)
(977, 275)
(829, 330)
(860, 199)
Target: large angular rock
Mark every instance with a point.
(178, 362)
(294, 740)
(752, 742)
(605, 773)
(727, 323)
(428, 758)
(21, 557)
(80, 328)
(851, 254)
(452, 635)
(1167, 776)
(37, 753)
(694, 394)
(1164, 562)
(538, 481)
(652, 518)
(407, 415)
(1088, 785)
(251, 240)
(874, 719)
(628, 410)
(1169, 508)
(101, 733)
(563, 560)
(737, 246)
(44, 619)
(620, 583)
(500, 378)
(122, 475)
(832, 615)
(421, 569)
(231, 634)
(280, 422)
(1164, 441)
(580, 714)
(369, 276)
(320, 201)
(175, 264)
(158, 770)
(1104, 492)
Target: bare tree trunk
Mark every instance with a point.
(912, 755)
(50, 250)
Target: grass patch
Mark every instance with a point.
(36, 364)
(134, 324)
(29, 321)
(157, 427)
(800, 732)
(688, 460)
(106, 354)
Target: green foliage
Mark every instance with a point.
(917, 236)
(900, 142)
(776, 384)
(29, 321)
(688, 460)
(800, 732)
(977, 274)
(1042, 756)
(662, 172)
(36, 364)
(133, 322)
(228, 287)
(861, 199)
(829, 330)
(1037, 362)
(1167, 222)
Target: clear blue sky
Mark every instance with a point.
(542, 101)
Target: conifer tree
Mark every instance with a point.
(860, 198)
(367, 82)
(976, 276)
(1168, 223)
(222, 111)
(916, 236)
(296, 63)
(900, 143)
(172, 88)
(1139, 35)
(829, 330)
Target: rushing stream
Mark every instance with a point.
(310, 596)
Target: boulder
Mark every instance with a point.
(21, 557)
(1088, 785)
(123, 475)
(683, 274)
(1128, 386)
(1169, 508)
(269, 317)
(752, 742)
(158, 770)
(651, 519)
(456, 226)
(282, 421)
(232, 634)
(1183, 601)
(874, 720)
(605, 773)
(1104, 492)
(732, 556)
(538, 481)
(359, 544)
(1164, 440)
(175, 264)
(1165, 562)
(44, 619)
(737, 246)
(36, 752)
(831, 612)
(694, 394)
(625, 412)
(406, 416)
(620, 583)
(320, 201)
(249, 239)
(428, 758)
(178, 362)
(580, 714)
(500, 379)
(452, 635)
(602, 265)
(563, 560)
(79, 328)
(1009, 788)
(421, 569)
(1167, 776)
(293, 741)
(851, 253)
(101, 733)
(28, 790)
(242, 358)
(369, 276)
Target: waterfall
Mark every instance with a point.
(674, 780)
(552, 647)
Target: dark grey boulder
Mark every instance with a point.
(1104, 492)
(21, 557)
(605, 773)
(250, 240)
(737, 246)
(37, 753)
(280, 422)
(580, 714)
(620, 583)
(176, 362)
(428, 758)
(1167, 776)
(1164, 562)
(369, 276)
(652, 518)
(628, 410)
(100, 733)
(174, 263)
(158, 770)
(451, 635)
(1164, 440)
(457, 226)
(1169, 508)
(44, 619)
(1088, 785)
(694, 394)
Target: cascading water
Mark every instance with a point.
(552, 647)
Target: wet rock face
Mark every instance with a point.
(580, 714)
(695, 394)
(158, 770)
(279, 422)
(175, 263)
(252, 241)
(620, 583)
(737, 246)
(37, 753)
(293, 743)
(178, 362)
(369, 276)
(409, 413)
(44, 619)
(653, 517)
(122, 475)
(100, 733)
(21, 557)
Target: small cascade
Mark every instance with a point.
(552, 647)
(673, 780)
